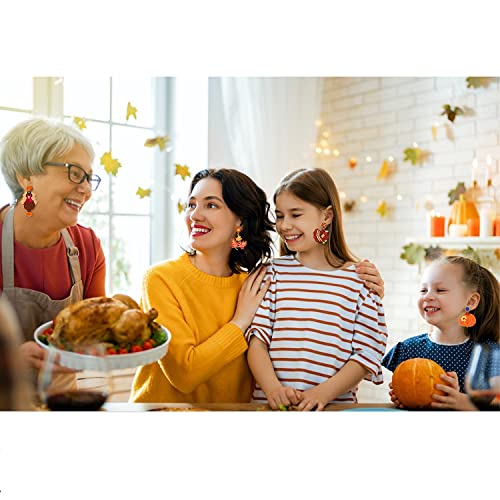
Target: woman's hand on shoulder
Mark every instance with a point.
(251, 294)
(368, 272)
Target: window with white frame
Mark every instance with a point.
(134, 231)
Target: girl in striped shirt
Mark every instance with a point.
(319, 330)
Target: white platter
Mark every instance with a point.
(77, 361)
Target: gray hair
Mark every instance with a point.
(30, 144)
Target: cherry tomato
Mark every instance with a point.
(111, 350)
(122, 350)
(146, 345)
(136, 348)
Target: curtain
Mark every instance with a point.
(264, 127)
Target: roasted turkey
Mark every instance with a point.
(118, 319)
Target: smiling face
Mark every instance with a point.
(211, 224)
(443, 295)
(296, 221)
(59, 200)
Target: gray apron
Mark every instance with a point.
(34, 308)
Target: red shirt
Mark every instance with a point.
(47, 269)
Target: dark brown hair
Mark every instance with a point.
(248, 201)
(316, 186)
(479, 279)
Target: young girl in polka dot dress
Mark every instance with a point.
(449, 285)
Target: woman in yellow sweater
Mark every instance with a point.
(207, 299)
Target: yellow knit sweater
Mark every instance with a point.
(206, 360)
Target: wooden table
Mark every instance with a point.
(229, 407)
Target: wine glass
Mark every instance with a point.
(482, 380)
(83, 390)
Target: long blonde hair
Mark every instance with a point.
(316, 186)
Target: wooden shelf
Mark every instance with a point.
(476, 242)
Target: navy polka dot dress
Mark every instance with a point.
(451, 357)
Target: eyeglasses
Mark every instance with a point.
(77, 175)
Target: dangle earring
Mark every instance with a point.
(238, 243)
(467, 319)
(320, 235)
(29, 201)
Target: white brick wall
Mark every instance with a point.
(381, 117)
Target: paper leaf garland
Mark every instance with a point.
(160, 141)
(451, 113)
(433, 253)
(413, 253)
(110, 164)
(182, 170)
(454, 194)
(434, 131)
(415, 155)
(181, 207)
(80, 122)
(142, 193)
(479, 81)
(386, 170)
(131, 111)
(349, 205)
(472, 254)
(449, 132)
(383, 208)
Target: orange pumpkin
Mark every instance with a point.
(461, 211)
(413, 382)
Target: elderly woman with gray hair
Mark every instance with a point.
(48, 261)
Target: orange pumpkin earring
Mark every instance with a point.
(320, 235)
(29, 201)
(467, 319)
(238, 243)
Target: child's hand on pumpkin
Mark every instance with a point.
(453, 398)
(393, 397)
(283, 396)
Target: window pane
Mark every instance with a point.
(139, 94)
(98, 135)
(136, 170)
(7, 120)
(16, 93)
(87, 98)
(130, 254)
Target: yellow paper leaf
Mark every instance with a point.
(384, 170)
(182, 170)
(80, 122)
(382, 208)
(434, 132)
(131, 111)
(142, 193)
(181, 207)
(110, 164)
(160, 141)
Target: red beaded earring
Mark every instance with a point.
(467, 319)
(238, 243)
(321, 234)
(29, 201)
